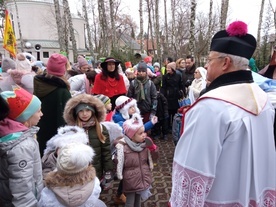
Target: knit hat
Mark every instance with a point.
(82, 106)
(171, 65)
(128, 64)
(234, 40)
(8, 63)
(105, 99)
(142, 67)
(123, 103)
(22, 104)
(74, 158)
(22, 63)
(57, 64)
(156, 64)
(132, 125)
(82, 61)
(148, 59)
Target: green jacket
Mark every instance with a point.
(53, 94)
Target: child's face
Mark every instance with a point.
(139, 136)
(108, 106)
(156, 69)
(85, 114)
(132, 110)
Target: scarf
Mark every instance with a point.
(139, 89)
(136, 147)
(89, 123)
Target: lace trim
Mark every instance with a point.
(190, 188)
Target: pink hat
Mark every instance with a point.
(131, 126)
(57, 64)
(82, 61)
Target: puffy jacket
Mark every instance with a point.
(20, 169)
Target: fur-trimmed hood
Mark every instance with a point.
(69, 110)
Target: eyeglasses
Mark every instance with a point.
(210, 59)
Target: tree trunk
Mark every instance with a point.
(113, 29)
(223, 13)
(66, 33)
(166, 28)
(141, 26)
(192, 28)
(173, 45)
(88, 30)
(157, 30)
(103, 23)
(60, 28)
(71, 29)
(19, 27)
(260, 28)
(210, 22)
(150, 26)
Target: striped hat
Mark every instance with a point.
(103, 98)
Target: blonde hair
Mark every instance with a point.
(178, 62)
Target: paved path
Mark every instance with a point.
(162, 179)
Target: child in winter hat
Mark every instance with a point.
(57, 65)
(21, 164)
(22, 104)
(75, 182)
(133, 155)
(64, 136)
(87, 112)
(125, 108)
(108, 106)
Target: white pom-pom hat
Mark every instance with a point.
(66, 135)
(132, 125)
(74, 158)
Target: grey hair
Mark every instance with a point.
(238, 62)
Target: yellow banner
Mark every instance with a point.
(9, 37)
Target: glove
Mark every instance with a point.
(149, 144)
(154, 120)
(106, 181)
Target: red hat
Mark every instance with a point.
(148, 59)
(57, 64)
(128, 64)
(22, 104)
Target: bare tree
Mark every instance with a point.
(104, 44)
(60, 28)
(112, 19)
(260, 27)
(192, 28)
(71, 29)
(88, 30)
(141, 26)
(19, 27)
(274, 16)
(157, 30)
(166, 27)
(223, 13)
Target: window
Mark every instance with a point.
(45, 54)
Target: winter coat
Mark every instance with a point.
(102, 160)
(20, 168)
(172, 89)
(53, 93)
(133, 167)
(85, 194)
(119, 119)
(162, 107)
(148, 105)
(79, 84)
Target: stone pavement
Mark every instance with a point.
(161, 186)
